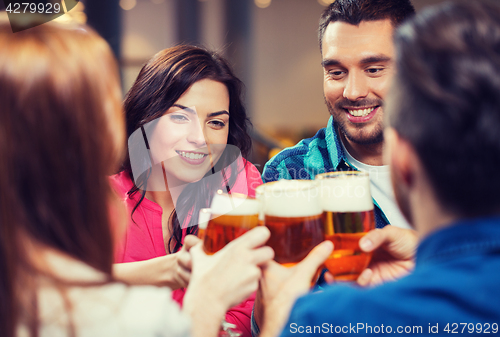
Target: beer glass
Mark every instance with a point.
(259, 195)
(294, 217)
(203, 219)
(347, 215)
(231, 215)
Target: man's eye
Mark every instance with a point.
(374, 70)
(336, 74)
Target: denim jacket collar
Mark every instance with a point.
(464, 237)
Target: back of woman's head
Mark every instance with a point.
(60, 106)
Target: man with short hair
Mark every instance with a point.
(443, 146)
(356, 43)
(355, 39)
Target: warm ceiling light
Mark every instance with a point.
(262, 3)
(127, 4)
(76, 14)
(326, 2)
(80, 6)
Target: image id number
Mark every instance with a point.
(471, 328)
(31, 7)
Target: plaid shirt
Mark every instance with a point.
(319, 154)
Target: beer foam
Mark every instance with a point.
(345, 194)
(259, 195)
(291, 198)
(234, 204)
(204, 218)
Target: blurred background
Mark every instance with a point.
(271, 44)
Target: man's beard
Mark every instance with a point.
(375, 137)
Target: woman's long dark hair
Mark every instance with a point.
(59, 91)
(161, 82)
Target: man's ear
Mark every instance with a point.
(401, 156)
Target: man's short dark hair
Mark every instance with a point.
(355, 11)
(446, 102)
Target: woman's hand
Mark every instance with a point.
(173, 270)
(224, 279)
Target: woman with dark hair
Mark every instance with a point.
(61, 135)
(187, 138)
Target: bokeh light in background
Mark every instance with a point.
(127, 4)
(77, 15)
(262, 3)
(326, 2)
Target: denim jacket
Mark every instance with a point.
(455, 288)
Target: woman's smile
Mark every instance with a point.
(191, 157)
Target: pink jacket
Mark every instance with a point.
(144, 238)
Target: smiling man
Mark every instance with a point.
(356, 42)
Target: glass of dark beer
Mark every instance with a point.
(347, 216)
(231, 215)
(293, 215)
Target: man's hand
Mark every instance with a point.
(281, 286)
(393, 254)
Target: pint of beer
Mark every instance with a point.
(294, 217)
(259, 195)
(232, 215)
(347, 215)
(203, 219)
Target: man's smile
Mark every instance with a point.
(361, 112)
(361, 115)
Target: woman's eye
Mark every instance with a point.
(217, 124)
(179, 118)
